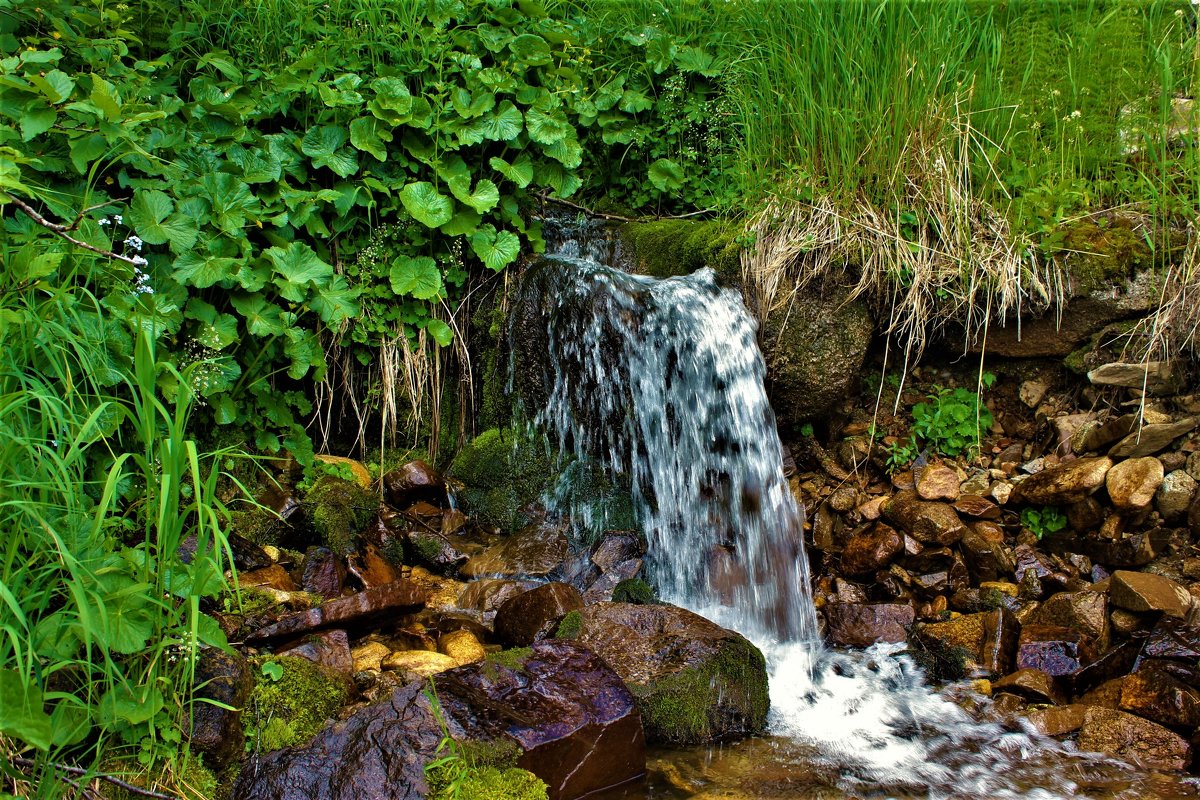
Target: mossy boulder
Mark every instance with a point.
(340, 510)
(814, 348)
(680, 247)
(292, 709)
(694, 681)
(488, 783)
(502, 473)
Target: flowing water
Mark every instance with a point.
(661, 383)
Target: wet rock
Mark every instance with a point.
(872, 549)
(617, 547)
(1059, 720)
(973, 505)
(1033, 685)
(322, 573)
(488, 594)
(965, 633)
(274, 577)
(344, 612)
(1112, 664)
(927, 521)
(843, 499)
(1172, 639)
(532, 552)
(454, 521)
(1132, 484)
(1064, 483)
(814, 348)
(1156, 377)
(986, 555)
(369, 569)
(216, 732)
(938, 482)
(327, 648)
(533, 615)
(435, 550)
(413, 482)
(1151, 439)
(862, 625)
(1156, 695)
(1126, 623)
(369, 656)
(1175, 495)
(418, 663)
(1083, 611)
(1052, 649)
(1048, 573)
(356, 469)
(1086, 515)
(1001, 633)
(574, 722)
(461, 645)
(1135, 550)
(603, 588)
(1143, 591)
(1141, 741)
(339, 510)
(694, 681)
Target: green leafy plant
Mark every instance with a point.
(1045, 520)
(951, 421)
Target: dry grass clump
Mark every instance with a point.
(1172, 330)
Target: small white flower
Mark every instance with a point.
(134, 242)
(1076, 114)
(138, 261)
(104, 221)
(117, 218)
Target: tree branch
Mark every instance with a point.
(115, 781)
(545, 197)
(65, 231)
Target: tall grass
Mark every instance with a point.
(100, 619)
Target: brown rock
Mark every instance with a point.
(435, 550)
(361, 475)
(617, 547)
(855, 625)
(532, 552)
(1099, 435)
(1058, 720)
(419, 663)
(671, 658)
(327, 648)
(1116, 662)
(322, 573)
(1154, 694)
(972, 505)
(1032, 684)
(1138, 740)
(872, 550)
(453, 521)
(1135, 550)
(927, 521)
(1156, 377)
(1064, 483)
(1126, 623)
(966, 632)
(986, 558)
(601, 590)
(344, 612)
(1001, 632)
(413, 482)
(488, 594)
(369, 655)
(533, 615)
(1150, 439)
(461, 645)
(1143, 591)
(938, 482)
(1054, 650)
(1175, 495)
(273, 577)
(369, 569)
(216, 730)
(1086, 515)
(1132, 484)
(1106, 695)
(1083, 611)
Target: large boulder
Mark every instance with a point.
(557, 707)
(533, 615)
(694, 680)
(814, 347)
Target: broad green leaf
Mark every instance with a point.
(231, 199)
(564, 182)
(105, 98)
(56, 86)
(416, 277)
(496, 249)
(36, 120)
(634, 101)
(470, 106)
(465, 221)
(483, 199)
(660, 54)
(204, 269)
(504, 124)
(520, 171)
(335, 302)
(225, 410)
(426, 204)
(38, 266)
(304, 350)
(341, 92)
(86, 149)
(530, 50)
(150, 215)
(391, 96)
(440, 331)
(567, 152)
(262, 317)
(666, 175)
(367, 134)
(547, 128)
(323, 144)
(130, 705)
(297, 266)
(692, 59)
(22, 715)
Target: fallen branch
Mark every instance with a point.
(65, 231)
(115, 781)
(545, 197)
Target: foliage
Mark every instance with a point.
(1042, 521)
(951, 421)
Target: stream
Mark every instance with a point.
(661, 382)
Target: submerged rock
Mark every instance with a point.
(532, 552)
(694, 680)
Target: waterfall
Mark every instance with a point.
(661, 382)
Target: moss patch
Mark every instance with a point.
(636, 591)
(487, 783)
(294, 708)
(727, 693)
(190, 780)
(570, 626)
(502, 472)
(1103, 251)
(340, 510)
(680, 247)
(513, 658)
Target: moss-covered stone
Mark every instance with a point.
(634, 590)
(340, 510)
(570, 626)
(1103, 251)
(513, 658)
(291, 710)
(689, 706)
(486, 783)
(502, 472)
(679, 247)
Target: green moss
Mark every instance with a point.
(513, 658)
(502, 472)
(340, 510)
(260, 525)
(486, 783)
(635, 590)
(427, 545)
(294, 708)
(1103, 251)
(379, 462)
(570, 626)
(941, 661)
(729, 691)
(680, 247)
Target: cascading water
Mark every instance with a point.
(661, 383)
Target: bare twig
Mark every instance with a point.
(65, 231)
(545, 197)
(115, 781)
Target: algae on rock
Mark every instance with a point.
(294, 708)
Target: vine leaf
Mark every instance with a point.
(323, 144)
(520, 171)
(150, 215)
(440, 331)
(496, 249)
(296, 268)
